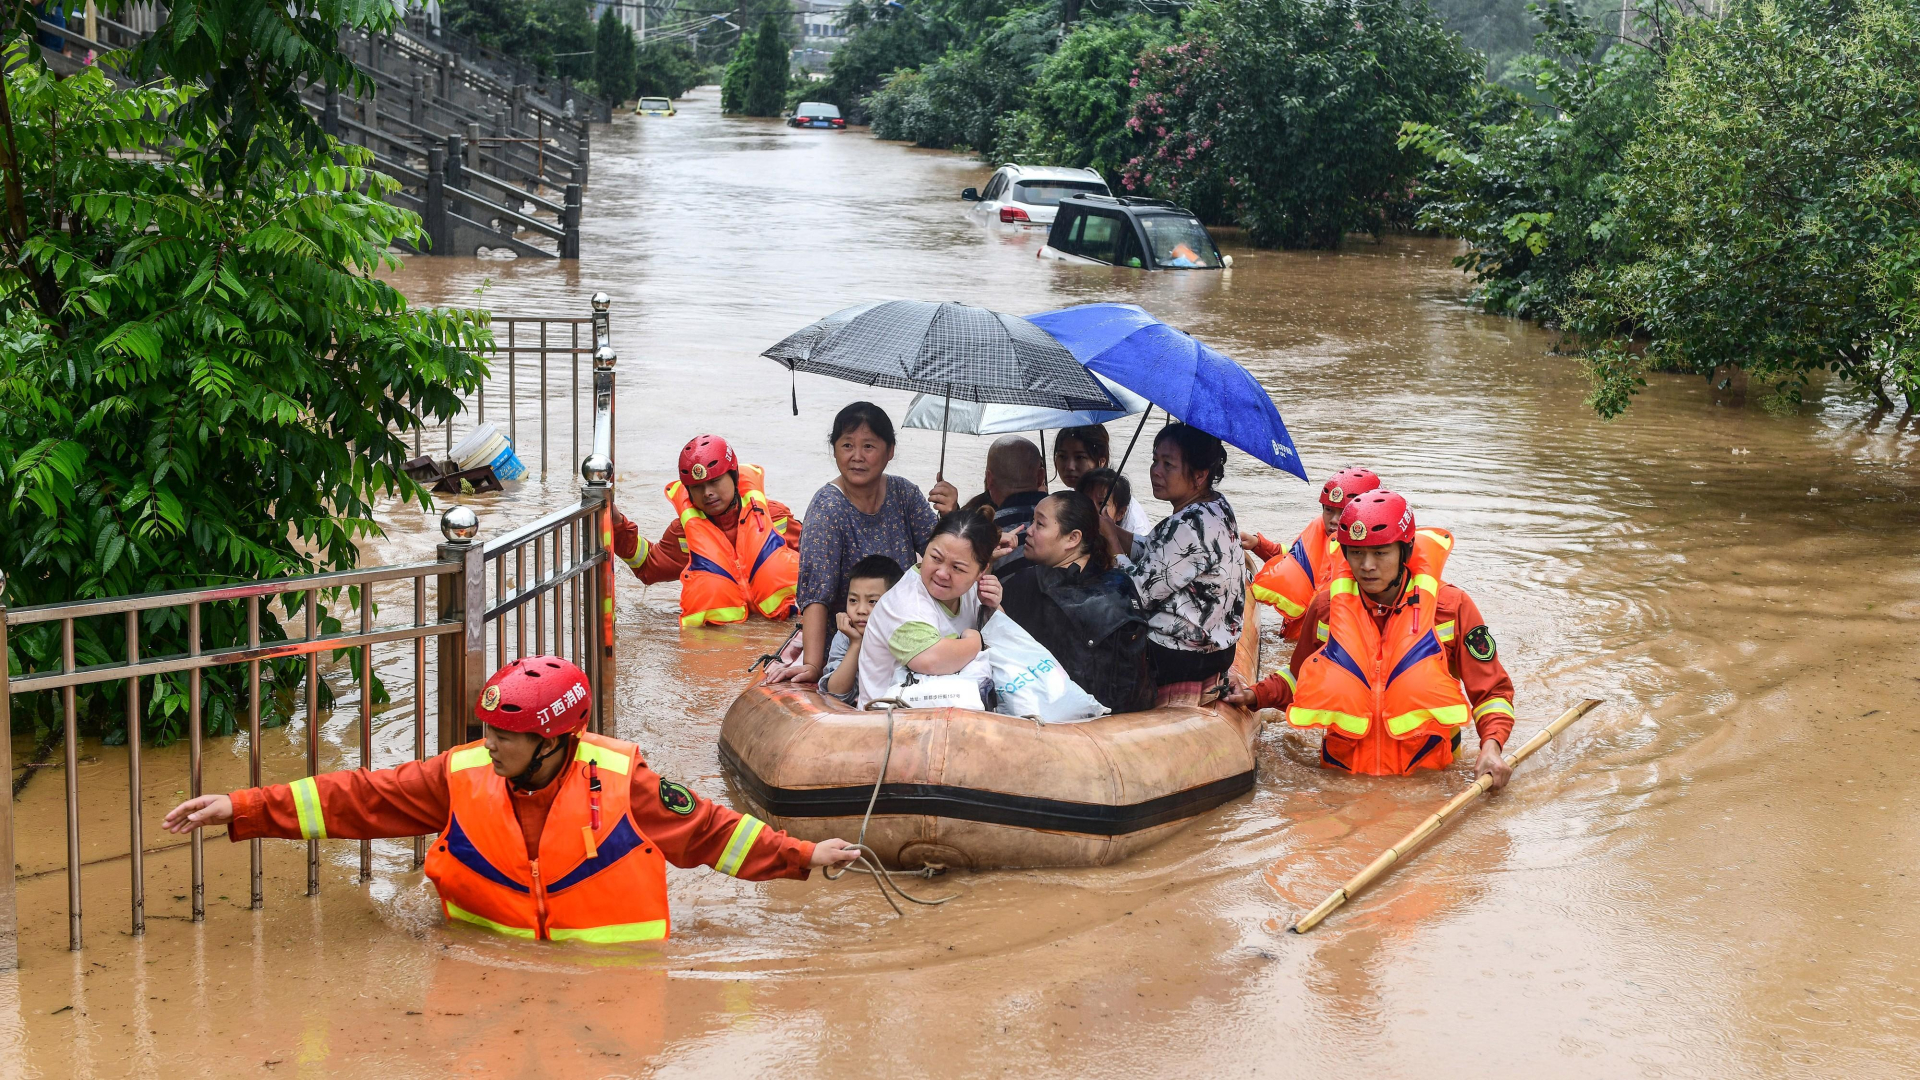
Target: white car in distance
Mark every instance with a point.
(1029, 194)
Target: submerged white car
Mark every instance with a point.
(1029, 194)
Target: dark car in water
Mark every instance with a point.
(1145, 234)
(816, 114)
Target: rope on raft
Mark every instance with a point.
(869, 861)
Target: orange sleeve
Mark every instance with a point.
(1276, 690)
(1267, 550)
(1489, 688)
(784, 521)
(365, 804)
(652, 563)
(705, 835)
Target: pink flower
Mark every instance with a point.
(1133, 124)
(1160, 132)
(1135, 81)
(1206, 144)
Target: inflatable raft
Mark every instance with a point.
(978, 789)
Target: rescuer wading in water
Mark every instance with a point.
(735, 551)
(546, 831)
(1397, 661)
(1289, 577)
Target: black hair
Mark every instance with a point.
(1118, 488)
(1198, 449)
(977, 529)
(859, 414)
(1091, 436)
(876, 566)
(1074, 512)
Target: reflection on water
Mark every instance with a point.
(1709, 876)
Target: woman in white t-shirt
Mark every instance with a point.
(929, 623)
(1078, 451)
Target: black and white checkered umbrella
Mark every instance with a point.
(966, 353)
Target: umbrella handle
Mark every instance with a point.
(946, 417)
(1136, 438)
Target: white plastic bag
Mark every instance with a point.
(957, 691)
(1030, 681)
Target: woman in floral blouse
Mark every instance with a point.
(1189, 570)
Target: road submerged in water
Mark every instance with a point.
(1713, 875)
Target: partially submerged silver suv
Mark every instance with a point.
(1027, 194)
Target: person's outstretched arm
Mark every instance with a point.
(364, 804)
(692, 830)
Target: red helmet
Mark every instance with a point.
(544, 695)
(706, 457)
(1376, 519)
(1345, 484)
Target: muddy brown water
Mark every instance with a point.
(1713, 875)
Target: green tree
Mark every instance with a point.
(883, 42)
(738, 77)
(770, 68)
(1077, 109)
(1528, 182)
(1770, 208)
(666, 68)
(1284, 115)
(613, 58)
(961, 98)
(555, 36)
(201, 380)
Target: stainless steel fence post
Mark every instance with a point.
(462, 598)
(9, 911)
(597, 471)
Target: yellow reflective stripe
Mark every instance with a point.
(1287, 674)
(306, 803)
(744, 835)
(1344, 587)
(1445, 716)
(471, 758)
(1347, 722)
(773, 603)
(1425, 583)
(1493, 705)
(1320, 631)
(716, 615)
(604, 756)
(454, 912)
(688, 515)
(779, 525)
(1438, 537)
(633, 931)
(1287, 607)
(1443, 631)
(639, 554)
(753, 498)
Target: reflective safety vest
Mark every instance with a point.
(1362, 675)
(606, 884)
(723, 577)
(1288, 580)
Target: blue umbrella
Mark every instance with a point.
(1168, 367)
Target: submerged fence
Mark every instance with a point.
(545, 587)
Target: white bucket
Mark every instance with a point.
(486, 445)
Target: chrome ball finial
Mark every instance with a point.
(459, 524)
(596, 469)
(601, 301)
(604, 358)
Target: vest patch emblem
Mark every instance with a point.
(676, 798)
(1480, 644)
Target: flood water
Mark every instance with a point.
(1715, 875)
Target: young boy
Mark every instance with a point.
(869, 580)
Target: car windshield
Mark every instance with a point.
(1050, 192)
(1180, 242)
(817, 108)
(655, 103)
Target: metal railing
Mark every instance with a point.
(523, 359)
(546, 587)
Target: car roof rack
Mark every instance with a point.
(1124, 200)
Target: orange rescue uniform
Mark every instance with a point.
(1488, 689)
(643, 820)
(1288, 577)
(724, 572)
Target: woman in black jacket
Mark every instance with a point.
(1085, 612)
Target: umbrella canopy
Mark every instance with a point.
(932, 412)
(966, 353)
(1168, 367)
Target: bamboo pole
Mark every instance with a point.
(1428, 827)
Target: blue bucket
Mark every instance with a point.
(507, 466)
